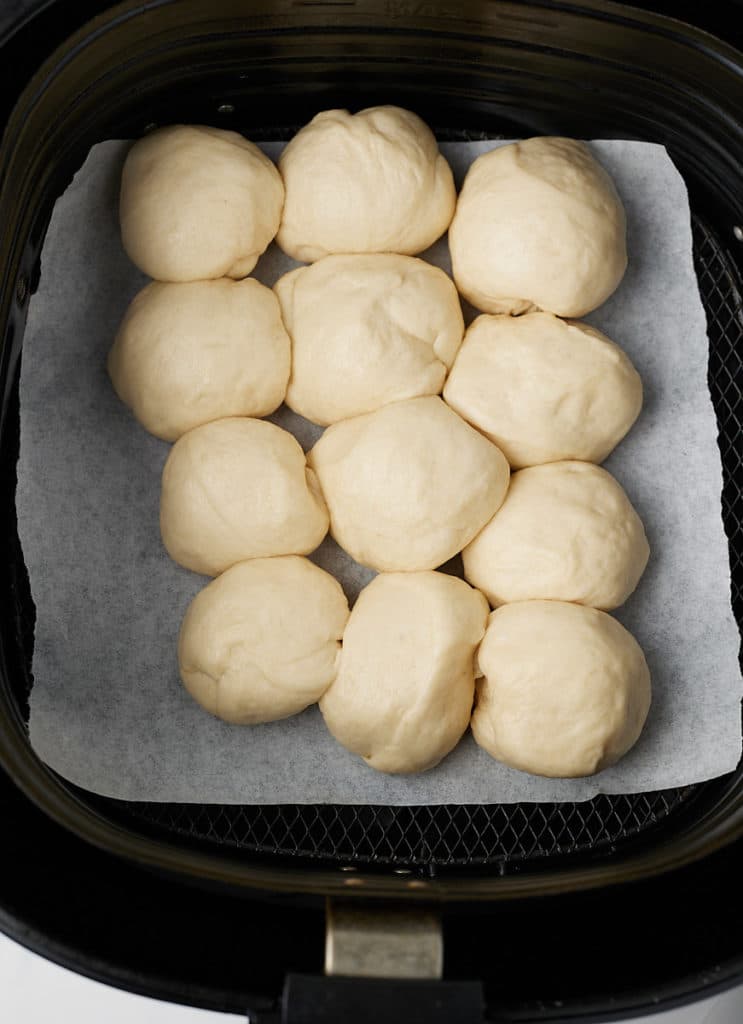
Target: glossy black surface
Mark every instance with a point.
(495, 68)
(585, 69)
(580, 957)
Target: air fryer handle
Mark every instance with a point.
(383, 965)
(312, 999)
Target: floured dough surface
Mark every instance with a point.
(374, 181)
(544, 389)
(566, 532)
(237, 489)
(565, 689)
(189, 353)
(409, 485)
(367, 330)
(261, 642)
(197, 203)
(403, 694)
(538, 224)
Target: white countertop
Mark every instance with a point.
(34, 991)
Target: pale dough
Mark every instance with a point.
(403, 694)
(236, 489)
(198, 203)
(544, 389)
(409, 485)
(368, 182)
(261, 642)
(565, 689)
(566, 532)
(538, 224)
(193, 352)
(367, 330)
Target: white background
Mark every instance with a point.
(34, 991)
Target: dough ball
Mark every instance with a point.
(261, 642)
(544, 389)
(368, 182)
(367, 330)
(403, 694)
(566, 532)
(565, 689)
(198, 203)
(409, 485)
(538, 224)
(236, 489)
(194, 352)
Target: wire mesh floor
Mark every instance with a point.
(470, 835)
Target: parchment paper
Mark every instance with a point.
(107, 708)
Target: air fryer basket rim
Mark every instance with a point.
(63, 89)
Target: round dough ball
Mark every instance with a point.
(261, 642)
(409, 485)
(538, 224)
(198, 203)
(194, 352)
(367, 330)
(403, 694)
(368, 182)
(565, 689)
(544, 389)
(236, 489)
(566, 532)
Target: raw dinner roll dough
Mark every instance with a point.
(409, 485)
(190, 353)
(538, 223)
(237, 489)
(367, 330)
(566, 532)
(198, 203)
(403, 694)
(368, 182)
(262, 641)
(544, 389)
(565, 689)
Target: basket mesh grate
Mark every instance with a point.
(470, 835)
(445, 836)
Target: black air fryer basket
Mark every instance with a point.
(551, 911)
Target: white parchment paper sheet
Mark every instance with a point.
(107, 708)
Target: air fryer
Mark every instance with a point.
(549, 912)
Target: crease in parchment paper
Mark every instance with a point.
(107, 708)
